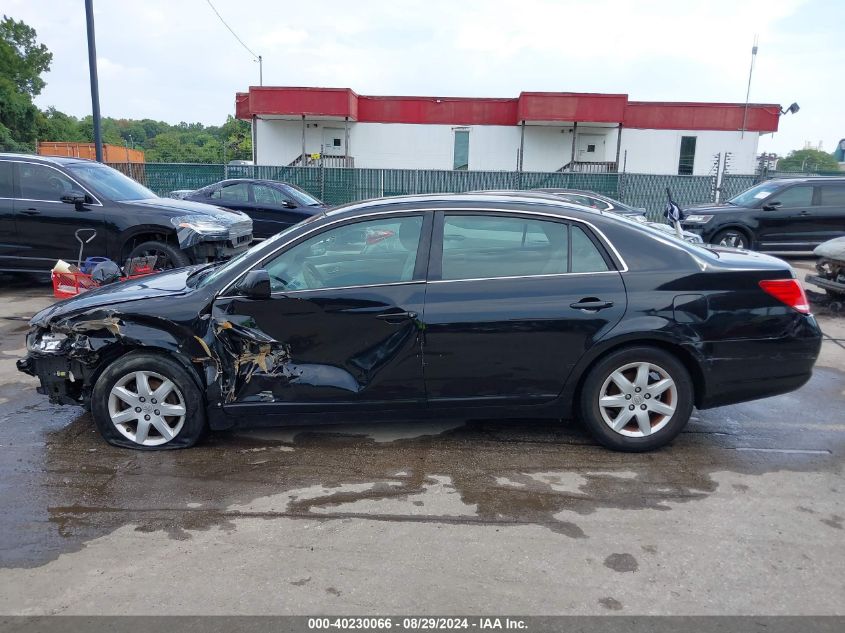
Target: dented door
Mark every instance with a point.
(343, 323)
(345, 345)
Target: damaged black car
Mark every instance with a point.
(471, 306)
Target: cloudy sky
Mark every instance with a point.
(173, 60)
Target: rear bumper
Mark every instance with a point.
(741, 370)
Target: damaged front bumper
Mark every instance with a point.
(209, 240)
(831, 275)
(64, 358)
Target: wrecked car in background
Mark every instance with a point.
(830, 267)
(471, 305)
(49, 198)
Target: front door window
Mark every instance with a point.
(372, 252)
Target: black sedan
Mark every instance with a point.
(784, 215)
(474, 305)
(272, 205)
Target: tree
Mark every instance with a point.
(22, 60)
(808, 160)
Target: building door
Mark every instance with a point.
(334, 141)
(590, 148)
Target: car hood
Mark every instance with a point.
(188, 207)
(167, 283)
(712, 209)
(832, 249)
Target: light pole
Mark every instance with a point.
(95, 88)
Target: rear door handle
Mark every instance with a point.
(396, 317)
(31, 212)
(805, 213)
(591, 305)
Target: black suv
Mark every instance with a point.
(784, 215)
(45, 200)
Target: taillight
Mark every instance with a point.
(788, 291)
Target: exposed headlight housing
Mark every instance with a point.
(203, 225)
(45, 342)
(698, 219)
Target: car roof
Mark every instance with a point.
(259, 181)
(47, 160)
(515, 201)
(815, 179)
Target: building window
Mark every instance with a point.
(461, 156)
(591, 148)
(687, 158)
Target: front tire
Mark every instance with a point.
(148, 402)
(733, 238)
(636, 399)
(167, 256)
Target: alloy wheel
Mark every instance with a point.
(638, 399)
(733, 239)
(147, 408)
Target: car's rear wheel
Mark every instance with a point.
(731, 237)
(637, 399)
(148, 402)
(167, 256)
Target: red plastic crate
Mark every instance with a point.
(71, 284)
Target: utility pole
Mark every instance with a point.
(260, 71)
(95, 88)
(748, 90)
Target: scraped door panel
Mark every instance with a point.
(350, 345)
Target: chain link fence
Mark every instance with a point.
(337, 185)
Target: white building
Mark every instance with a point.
(537, 131)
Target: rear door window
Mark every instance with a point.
(7, 189)
(833, 195)
(481, 247)
(238, 192)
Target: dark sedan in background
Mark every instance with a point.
(272, 205)
(779, 216)
(474, 305)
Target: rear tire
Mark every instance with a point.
(167, 256)
(636, 399)
(148, 402)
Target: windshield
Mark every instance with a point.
(110, 182)
(750, 197)
(302, 197)
(256, 253)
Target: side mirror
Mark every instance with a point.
(771, 206)
(290, 205)
(76, 198)
(256, 284)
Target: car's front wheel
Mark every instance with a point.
(167, 256)
(637, 399)
(731, 237)
(148, 402)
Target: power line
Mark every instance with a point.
(249, 50)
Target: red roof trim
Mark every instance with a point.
(565, 107)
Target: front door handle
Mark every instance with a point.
(31, 212)
(805, 213)
(396, 317)
(591, 304)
